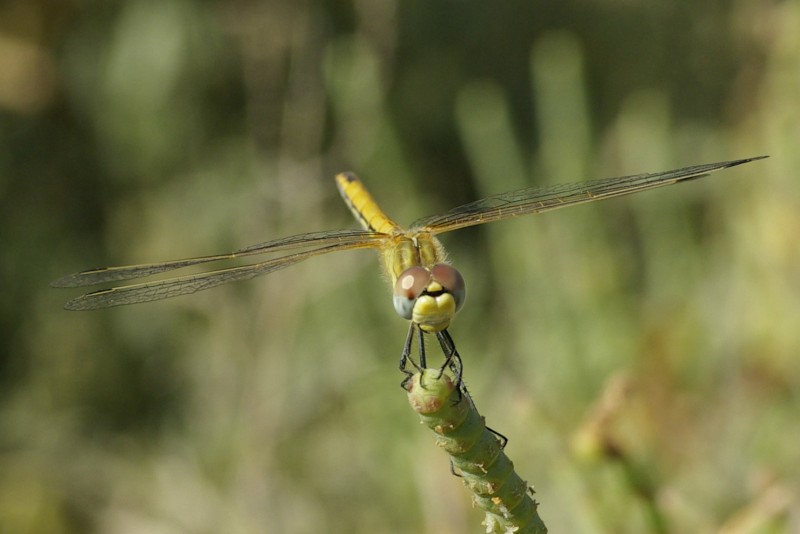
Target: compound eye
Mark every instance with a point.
(451, 281)
(409, 286)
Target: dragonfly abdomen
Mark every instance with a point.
(363, 206)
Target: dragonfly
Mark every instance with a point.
(427, 290)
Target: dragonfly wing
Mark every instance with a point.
(104, 275)
(541, 199)
(184, 285)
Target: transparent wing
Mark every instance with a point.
(322, 243)
(540, 199)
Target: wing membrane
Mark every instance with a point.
(184, 285)
(344, 238)
(541, 199)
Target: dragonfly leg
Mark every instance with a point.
(500, 437)
(453, 362)
(423, 360)
(405, 357)
(453, 470)
(451, 355)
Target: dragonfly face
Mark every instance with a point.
(429, 297)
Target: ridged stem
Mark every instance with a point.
(476, 454)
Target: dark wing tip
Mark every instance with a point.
(746, 160)
(705, 170)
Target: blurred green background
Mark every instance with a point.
(641, 354)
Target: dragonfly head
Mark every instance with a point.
(429, 297)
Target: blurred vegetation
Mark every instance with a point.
(641, 354)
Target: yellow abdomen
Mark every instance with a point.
(363, 206)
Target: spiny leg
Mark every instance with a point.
(405, 357)
(423, 360)
(500, 437)
(453, 362)
(452, 358)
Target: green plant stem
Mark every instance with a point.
(476, 454)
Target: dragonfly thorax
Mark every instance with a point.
(429, 297)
